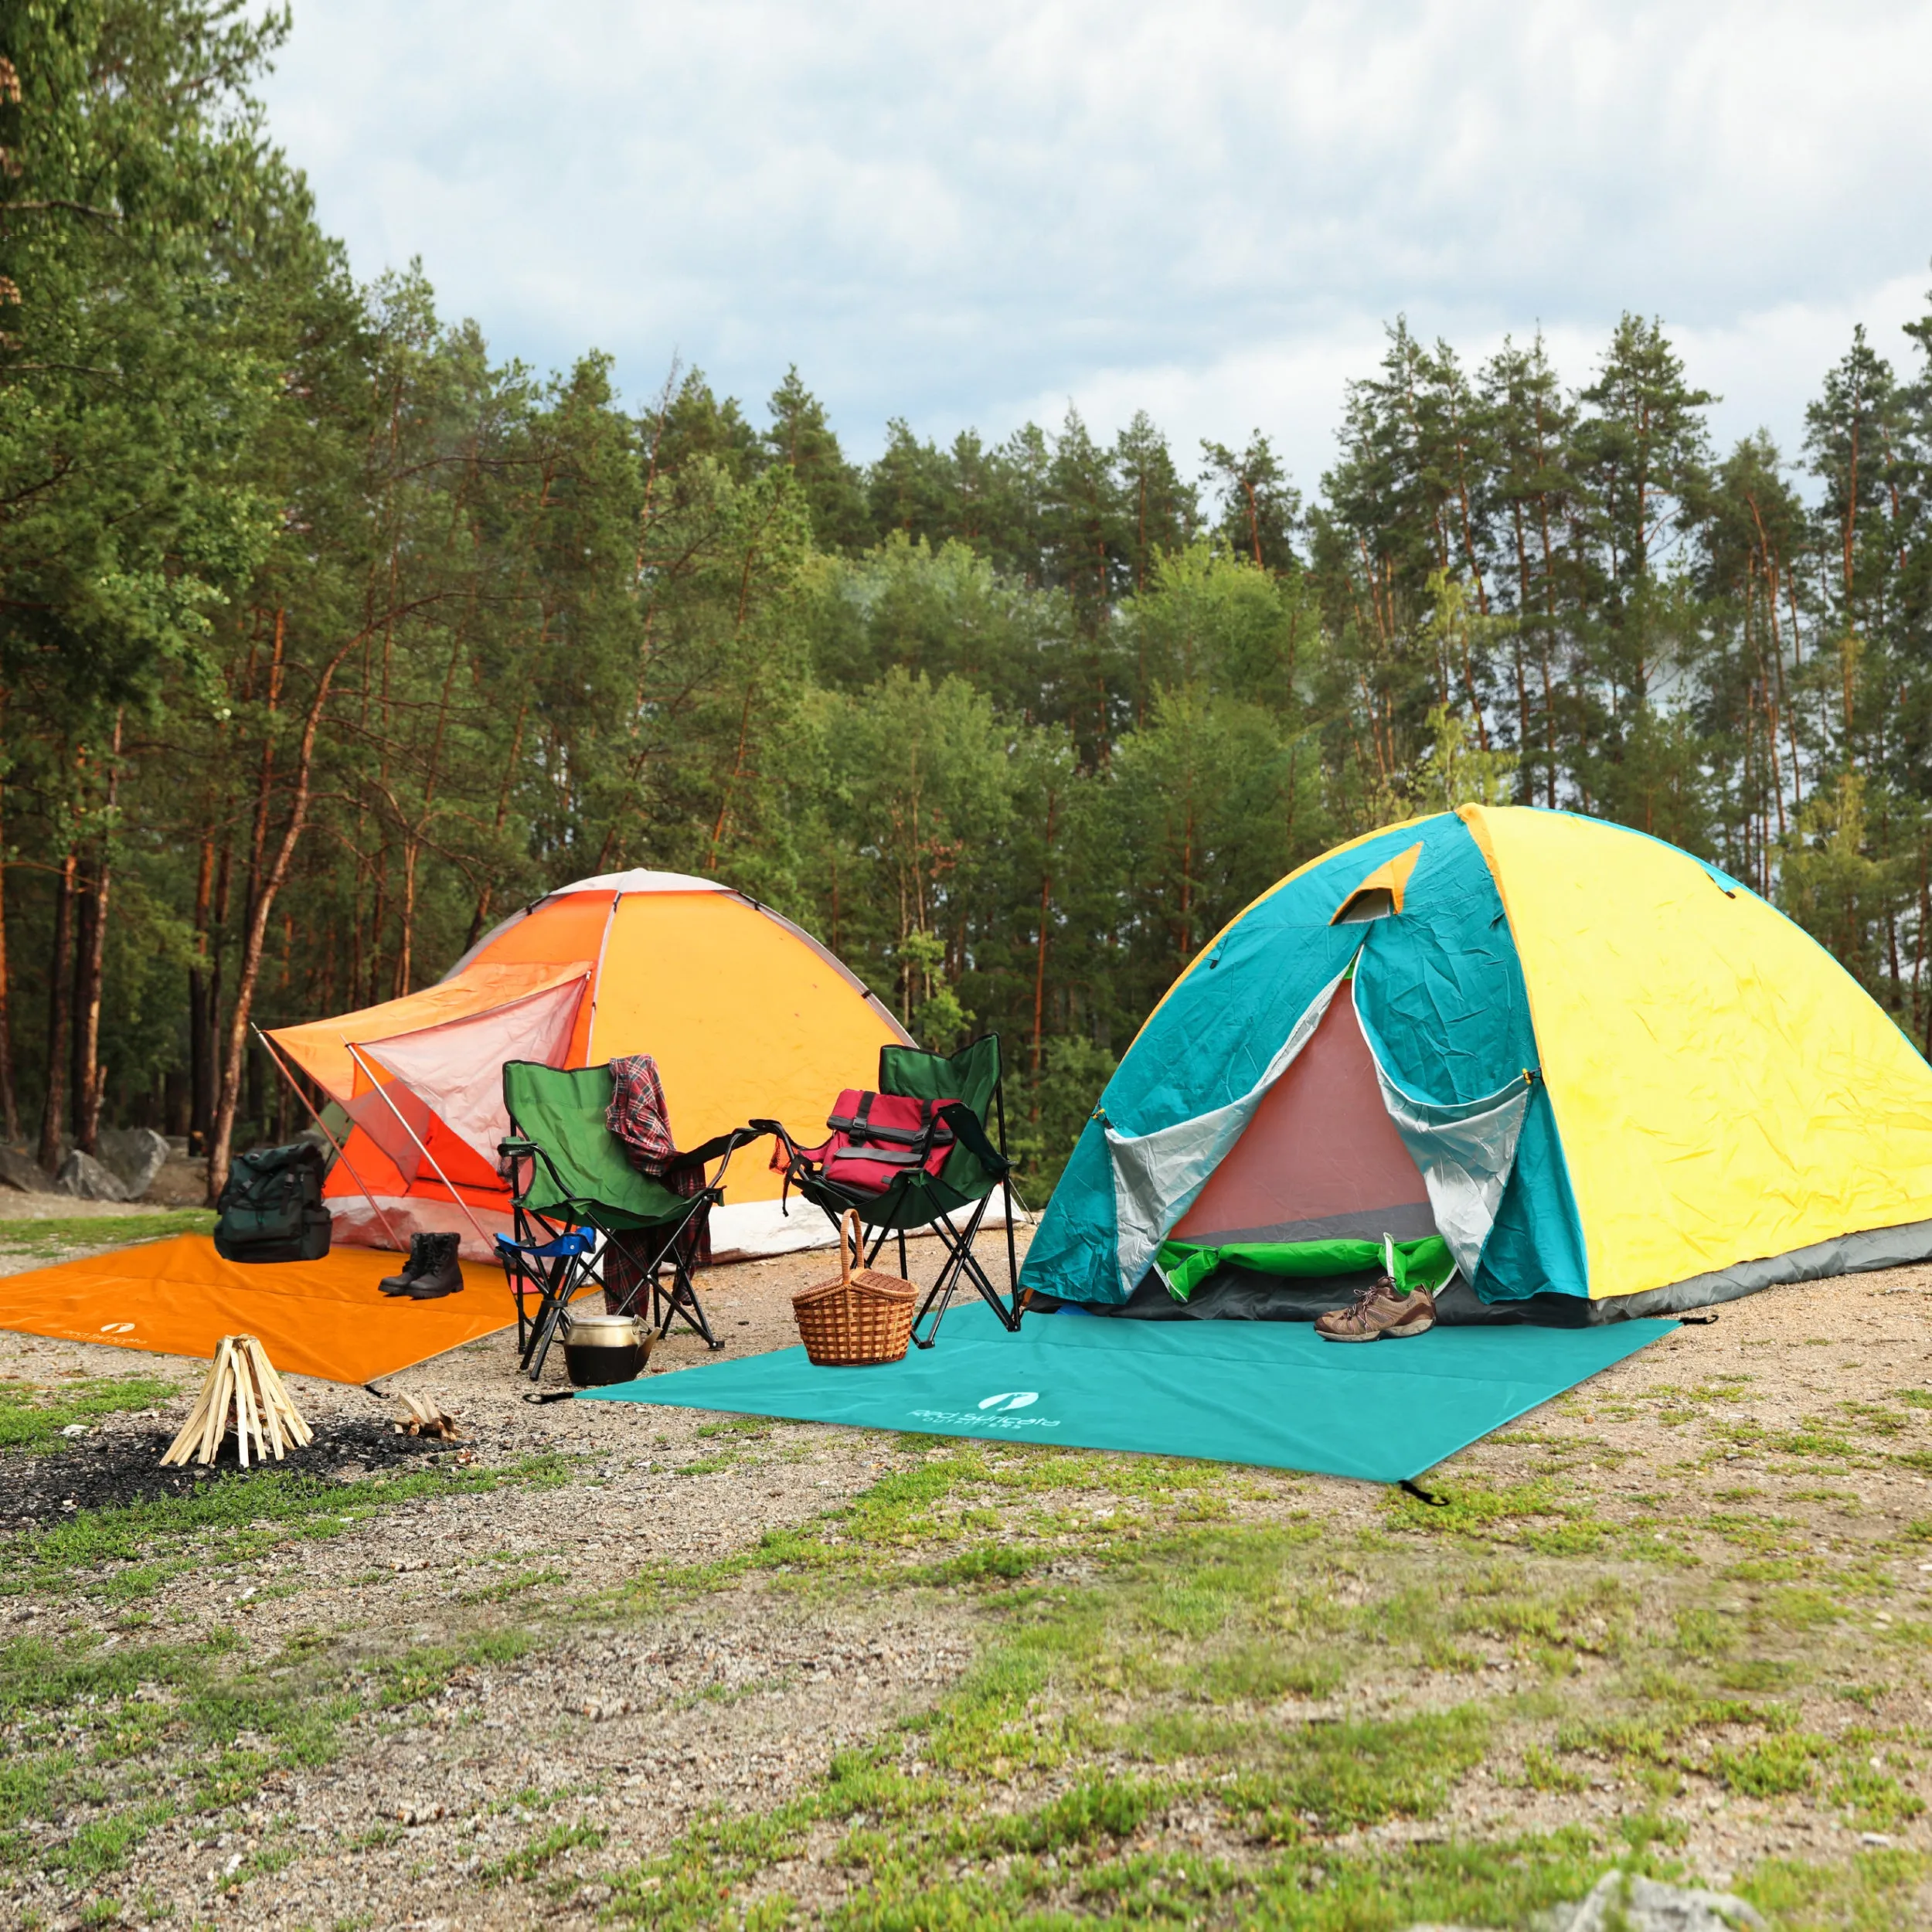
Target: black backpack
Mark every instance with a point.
(271, 1207)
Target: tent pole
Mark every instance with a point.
(342, 1152)
(355, 1054)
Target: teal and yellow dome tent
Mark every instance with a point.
(1556, 1056)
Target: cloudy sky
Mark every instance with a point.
(972, 214)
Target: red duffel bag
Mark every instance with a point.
(875, 1137)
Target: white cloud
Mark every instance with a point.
(964, 214)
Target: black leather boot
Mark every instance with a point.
(444, 1275)
(421, 1255)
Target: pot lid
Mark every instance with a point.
(604, 1331)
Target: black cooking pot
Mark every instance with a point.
(600, 1349)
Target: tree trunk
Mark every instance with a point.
(479, 923)
(80, 1078)
(224, 882)
(1040, 955)
(201, 1019)
(235, 1058)
(53, 1113)
(9, 1098)
(90, 1076)
(737, 772)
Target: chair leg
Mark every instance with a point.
(960, 1261)
(1012, 1256)
(513, 1281)
(941, 1294)
(538, 1281)
(680, 1303)
(546, 1281)
(565, 1284)
(520, 1280)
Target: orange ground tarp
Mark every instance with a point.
(322, 1319)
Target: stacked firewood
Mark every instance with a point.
(425, 1418)
(243, 1394)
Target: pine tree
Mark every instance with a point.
(802, 438)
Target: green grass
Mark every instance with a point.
(1873, 1892)
(540, 1852)
(88, 1725)
(514, 1585)
(920, 1853)
(89, 1722)
(32, 1415)
(59, 1232)
(1131, 1743)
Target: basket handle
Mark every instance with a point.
(858, 1227)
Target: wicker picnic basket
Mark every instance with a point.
(859, 1318)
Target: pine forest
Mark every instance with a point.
(329, 639)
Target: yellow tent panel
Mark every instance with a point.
(744, 1015)
(1725, 1091)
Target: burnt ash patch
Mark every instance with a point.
(112, 1469)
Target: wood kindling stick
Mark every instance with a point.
(244, 1393)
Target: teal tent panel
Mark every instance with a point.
(1208, 1044)
(1439, 987)
(1268, 1392)
(1536, 1247)
(1071, 1254)
(1441, 992)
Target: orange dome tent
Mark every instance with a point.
(745, 1013)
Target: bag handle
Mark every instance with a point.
(845, 1260)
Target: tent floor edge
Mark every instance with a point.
(1858, 1254)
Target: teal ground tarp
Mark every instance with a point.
(1270, 1393)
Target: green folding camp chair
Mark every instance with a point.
(578, 1203)
(964, 1187)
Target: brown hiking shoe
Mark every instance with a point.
(1379, 1311)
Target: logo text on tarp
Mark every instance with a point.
(981, 1419)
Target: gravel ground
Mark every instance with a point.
(623, 1725)
(628, 1714)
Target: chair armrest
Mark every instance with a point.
(725, 1144)
(965, 1124)
(794, 1155)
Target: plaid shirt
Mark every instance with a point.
(636, 1116)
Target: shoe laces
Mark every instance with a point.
(1368, 1292)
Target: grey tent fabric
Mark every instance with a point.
(1465, 1152)
(1846, 1254)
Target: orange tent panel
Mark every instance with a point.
(569, 927)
